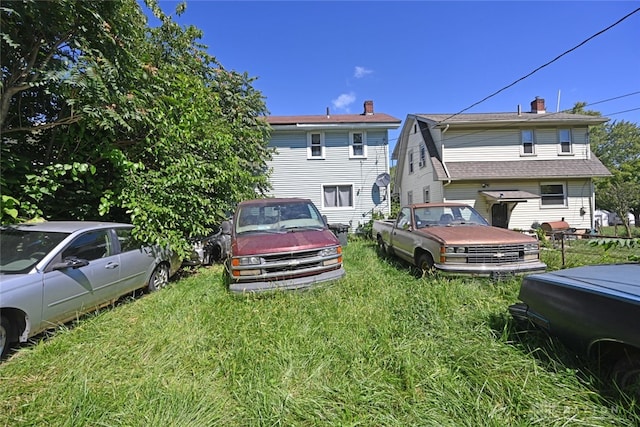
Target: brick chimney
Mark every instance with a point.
(368, 108)
(537, 106)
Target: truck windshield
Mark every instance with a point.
(278, 217)
(447, 216)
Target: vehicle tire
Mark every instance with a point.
(626, 374)
(5, 335)
(159, 278)
(382, 248)
(424, 263)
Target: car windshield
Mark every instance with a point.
(20, 250)
(278, 218)
(447, 216)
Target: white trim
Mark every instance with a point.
(338, 208)
(570, 141)
(532, 142)
(565, 195)
(352, 145)
(309, 146)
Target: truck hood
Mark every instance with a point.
(474, 235)
(291, 241)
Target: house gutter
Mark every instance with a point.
(444, 164)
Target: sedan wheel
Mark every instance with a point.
(160, 278)
(4, 338)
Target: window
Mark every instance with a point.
(425, 195)
(565, 141)
(315, 145)
(337, 196)
(127, 242)
(403, 220)
(89, 246)
(527, 143)
(553, 194)
(423, 156)
(410, 197)
(410, 161)
(358, 142)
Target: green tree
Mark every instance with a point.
(617, 145)
(124, 121)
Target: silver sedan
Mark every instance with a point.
(53, 271)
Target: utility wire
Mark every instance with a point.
(544, 65)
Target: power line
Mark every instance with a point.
(544, 65)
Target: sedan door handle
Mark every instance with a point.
(112, 265)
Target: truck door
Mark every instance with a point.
(402, 235)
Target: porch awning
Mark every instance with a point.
(509, 195)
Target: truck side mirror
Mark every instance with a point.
(225, 227)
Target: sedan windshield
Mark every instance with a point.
(447, 216)
(283, 217)
(20, 250)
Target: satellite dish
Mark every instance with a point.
(383, 180)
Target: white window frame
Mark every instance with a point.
(409, 197)
(423, 156)
(568, 138)
(525, 140)
(426, 197)
(310, 145)
(564, 195)
(337, 186)
(410, 161)
(352, 145)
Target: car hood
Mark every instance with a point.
(292, 241)
(611, 279)
(475, 234)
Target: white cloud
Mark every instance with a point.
(343, 101)
(360, 72)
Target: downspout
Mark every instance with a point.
(444, 164)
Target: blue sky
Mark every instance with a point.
(426, 56)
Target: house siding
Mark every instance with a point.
(293, 175)
(504, 144)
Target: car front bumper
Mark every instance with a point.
(287, 284)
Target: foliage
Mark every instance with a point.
(617, 145)
(608, 243)
(106, 117)
(378, 348)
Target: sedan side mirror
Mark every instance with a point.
(70, 263)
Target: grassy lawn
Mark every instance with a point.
(379, 348)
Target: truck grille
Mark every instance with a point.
(495, 254)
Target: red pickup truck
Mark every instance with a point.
(281, 243)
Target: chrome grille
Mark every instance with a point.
(495, 254)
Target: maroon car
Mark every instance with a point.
(281, 244)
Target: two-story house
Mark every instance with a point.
(518, 169)
(339, 161)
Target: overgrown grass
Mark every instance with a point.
(379, 348)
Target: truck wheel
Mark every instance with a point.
(425, 263)
(382, 248)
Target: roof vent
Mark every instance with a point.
(328, 115)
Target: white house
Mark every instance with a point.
(518, 169)
(339, 161)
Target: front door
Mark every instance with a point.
(499, 215)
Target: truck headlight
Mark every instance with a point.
(330, 251)
(455, 250)
(249, 260)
